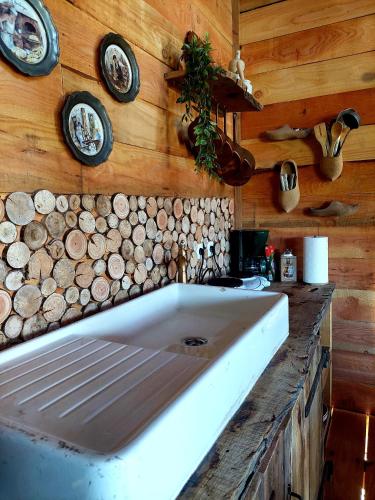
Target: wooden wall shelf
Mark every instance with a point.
(229, 92)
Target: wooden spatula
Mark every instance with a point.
(320, 132)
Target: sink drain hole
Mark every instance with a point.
(194, 341)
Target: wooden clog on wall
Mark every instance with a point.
(335, 209)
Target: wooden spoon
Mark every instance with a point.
(320, 132)
(336, 131)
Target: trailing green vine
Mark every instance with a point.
(196, 95)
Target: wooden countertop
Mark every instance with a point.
(237, 453)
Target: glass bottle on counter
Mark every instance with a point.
(270, 260)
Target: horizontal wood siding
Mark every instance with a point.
(307, 63)
(148, 157)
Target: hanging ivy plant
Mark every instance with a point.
(196, 95)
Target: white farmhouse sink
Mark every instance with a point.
(117, 406)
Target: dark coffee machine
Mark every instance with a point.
(247, 251)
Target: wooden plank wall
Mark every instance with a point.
(307, 62)
(147, 157)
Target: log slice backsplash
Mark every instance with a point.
(63, 257)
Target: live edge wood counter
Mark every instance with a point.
(269, 444)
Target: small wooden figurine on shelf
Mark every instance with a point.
(237, 66)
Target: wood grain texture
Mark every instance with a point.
(356, 185)
(246, 5)
(130, 169)
(293, 16)
(83, 55)
(305, 113)
(346, 38)
(354, 305)
(350, 395)
(356, 367)
(30, 129)
(358, 146)
(143, 125)
(354, 72)
(346, 450)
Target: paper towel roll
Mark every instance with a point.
(315, 260)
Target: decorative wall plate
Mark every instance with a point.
(28, 37)
(119, 68)
(87, 128)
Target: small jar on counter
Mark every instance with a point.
(288, 267)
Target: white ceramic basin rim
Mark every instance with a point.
(117, 406)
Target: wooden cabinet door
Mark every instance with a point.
(306, 454)
(316, 452)
(299, 459)
(271, 480)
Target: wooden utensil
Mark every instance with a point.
(320, 132)
(344, 134)
(336, 130)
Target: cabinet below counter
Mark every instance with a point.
(273, 447)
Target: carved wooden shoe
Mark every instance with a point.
(289, 193)
(286, 132)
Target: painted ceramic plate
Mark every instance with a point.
(87, 128)
(28, 37)
(119, 68)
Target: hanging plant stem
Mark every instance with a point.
(196, 94)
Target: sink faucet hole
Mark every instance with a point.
(194, 341)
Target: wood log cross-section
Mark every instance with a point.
(85, 275)
(140, 274)
(18, 255)
(13, 326)
(86, 222)
(49, 286)
(34, 325)
(76, 244)
(44, 202)
(113, 242)
(27, 301)
(72, 295)
(113, 221)
(8, 232)
(116, 266)
(14, 280)
(5, 305)
(56, 249)
(74, 202)
(88, 202)
(40, 265)
(100, 289)
(178, 208)
(162, 219)
(20, 208)
(64, 273)
(151, 207)
(121, 205)
(101, 225)
(96, 246)
(103, 205)
(54, 307)
(71, 218)
(35, 235)
(62, 204)
(139, 235)
(55, 224)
